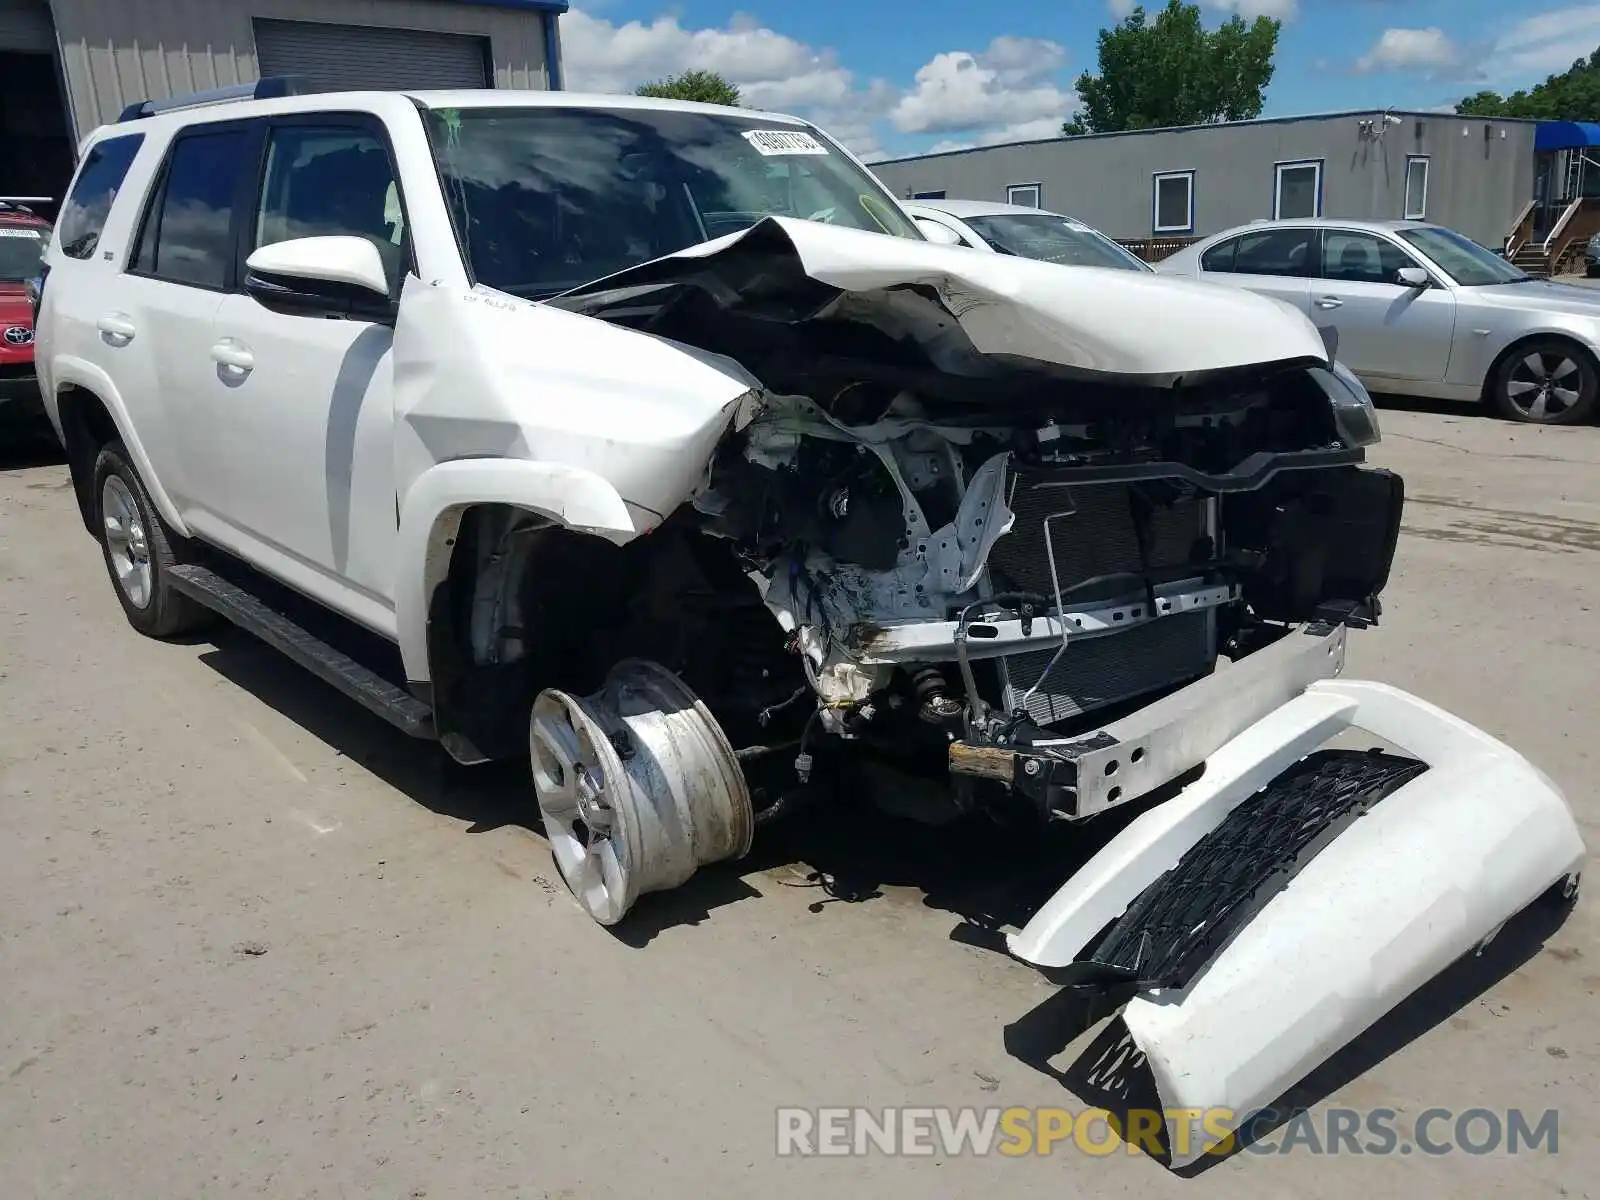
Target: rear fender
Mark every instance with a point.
(69, 371)
(1427, 874)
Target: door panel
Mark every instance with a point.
(1385, 329)
(181, 267)
(312, 476)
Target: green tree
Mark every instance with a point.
(705, 86)
(1172, 71)
(1571, 96)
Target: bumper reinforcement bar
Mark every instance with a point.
(1082, 776)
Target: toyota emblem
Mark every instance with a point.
(18, 335)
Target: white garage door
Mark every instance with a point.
(358, 57)
(25, 25)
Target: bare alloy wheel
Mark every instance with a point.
(637, 787)
(1547, 383)
(139, 551)
(127, 545)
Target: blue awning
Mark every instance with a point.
(1565, 135)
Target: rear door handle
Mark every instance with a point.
(1329, 302)
(116, 329)
(229, 353)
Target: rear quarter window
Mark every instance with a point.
(1220, 256)
(100, 178)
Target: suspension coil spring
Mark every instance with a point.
(935, 705)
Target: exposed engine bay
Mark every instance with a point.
(881, 581)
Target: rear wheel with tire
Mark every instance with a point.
(138, 550)
(1547, 381)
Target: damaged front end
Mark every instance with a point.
(1031, 563)
(989, 527)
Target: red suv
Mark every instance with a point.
(23, 238)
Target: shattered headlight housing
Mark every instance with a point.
(1354, 414)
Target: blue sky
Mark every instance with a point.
(902, 78)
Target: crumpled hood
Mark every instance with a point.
(959, 307)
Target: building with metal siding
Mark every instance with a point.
(1468, 173)
(98, 56)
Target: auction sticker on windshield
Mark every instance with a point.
(783, 141)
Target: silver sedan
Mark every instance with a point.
(1421, 310)
(1026, 232)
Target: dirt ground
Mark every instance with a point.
(252, 941)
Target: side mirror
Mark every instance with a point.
(941, 235)
(327, 276)
(1412, 277)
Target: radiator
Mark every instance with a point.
(1098, 671)
(1098, 538)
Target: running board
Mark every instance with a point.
(363, 685)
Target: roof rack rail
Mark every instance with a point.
(271, 88)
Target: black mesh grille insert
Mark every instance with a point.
(1174, 926)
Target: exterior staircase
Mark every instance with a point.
(1533, 260)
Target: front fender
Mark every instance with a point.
(70, 371)
(431, 511)
(1388, 900)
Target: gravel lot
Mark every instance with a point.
(253, 941)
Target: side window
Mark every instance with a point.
(326, 181)
(1354, 257)
(1220, 257)
(188, 230)
(83, 217)
(1273, 252)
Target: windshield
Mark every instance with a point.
(547, 199)
(1461, 258)
(21, 252)
(1053, 239)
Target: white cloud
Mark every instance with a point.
(1023, 131)
(771, 70)
(1545, 44)
(1428, 49)
(1010, 84)
(1283, 10)
(1530, 49)
(1010, 91)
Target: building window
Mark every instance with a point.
(927, 195)
(1298, 191)
(1172, 208)
(1416, 189)
(1028, 195)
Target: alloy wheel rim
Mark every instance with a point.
(127, 543)
(573, 787)
(1544, 385)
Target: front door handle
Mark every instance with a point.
(1329, 302)
(116, 329)
(231, 354)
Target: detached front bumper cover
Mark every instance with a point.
(1421, 859)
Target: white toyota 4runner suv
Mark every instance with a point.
(657, 440)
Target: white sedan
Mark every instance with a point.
(1421, 310)
(1025, 232)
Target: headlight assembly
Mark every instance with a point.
(1354, 414)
